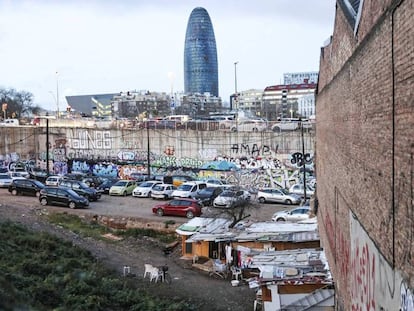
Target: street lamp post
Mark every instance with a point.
(148, 152)
(57, 95)
(235, 85)
(303, 162)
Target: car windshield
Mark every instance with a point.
(159, 188)
(4, 176)
(228, 194)
(38, 183)
(207, 191)
(121, 183)
(83, 185)
(146, 185)
(185, 187)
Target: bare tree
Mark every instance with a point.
(237, 212)
(19, 103)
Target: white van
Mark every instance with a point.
(187, 189)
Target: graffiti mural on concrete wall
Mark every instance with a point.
(99, 152)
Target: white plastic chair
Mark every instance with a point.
(148, 270)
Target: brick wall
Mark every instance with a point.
(365, 142)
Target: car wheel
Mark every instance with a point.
(165, 196)
(37, 194)
(72, 205)
(190, 214)
(289, 202)
(43, 201)
(14, 192)
(276, 129)
(255, 129)
(149, 194)
(125, 194)
(160, 212)
(280, 219)
(262, 200)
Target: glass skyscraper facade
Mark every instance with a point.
(200, 55)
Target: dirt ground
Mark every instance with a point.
(193, 286)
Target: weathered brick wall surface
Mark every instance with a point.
(364, 147)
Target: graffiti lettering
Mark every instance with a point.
(299, 159)
(362, 278)
(101, 140)
(254, 150)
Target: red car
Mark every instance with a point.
(178, 207)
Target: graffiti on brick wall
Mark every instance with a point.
(373, 282)
(253, 150)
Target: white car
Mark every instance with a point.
(144, 189)
(162, 191)
(188, 189)
(5, 180)
(297, 214)
(53, 180)
(249, 126)
(231, 198)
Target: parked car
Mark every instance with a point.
(138, 177)
(298, 189)
(5, 180)
(17, 175)
(106, 185)
(277, 195)
(231, 198)
(26, 186)
(53, 180)
(144, 189)
(249, 126)
(123, 187)
(179, 207)
(297, 214)
(215, 182)
(92, 181)
(207, 195)
(162, 191)
(81, 188)
(187, 189)
(62, 196)
(19, 172)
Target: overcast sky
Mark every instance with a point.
(109, 46)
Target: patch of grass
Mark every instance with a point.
(78, 225)
(42, 272)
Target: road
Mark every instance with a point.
(130, 207)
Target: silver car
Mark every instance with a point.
(5, 180)
(277, 195)
(297, 214)
(231, 198)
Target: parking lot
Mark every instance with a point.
(130, 207)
